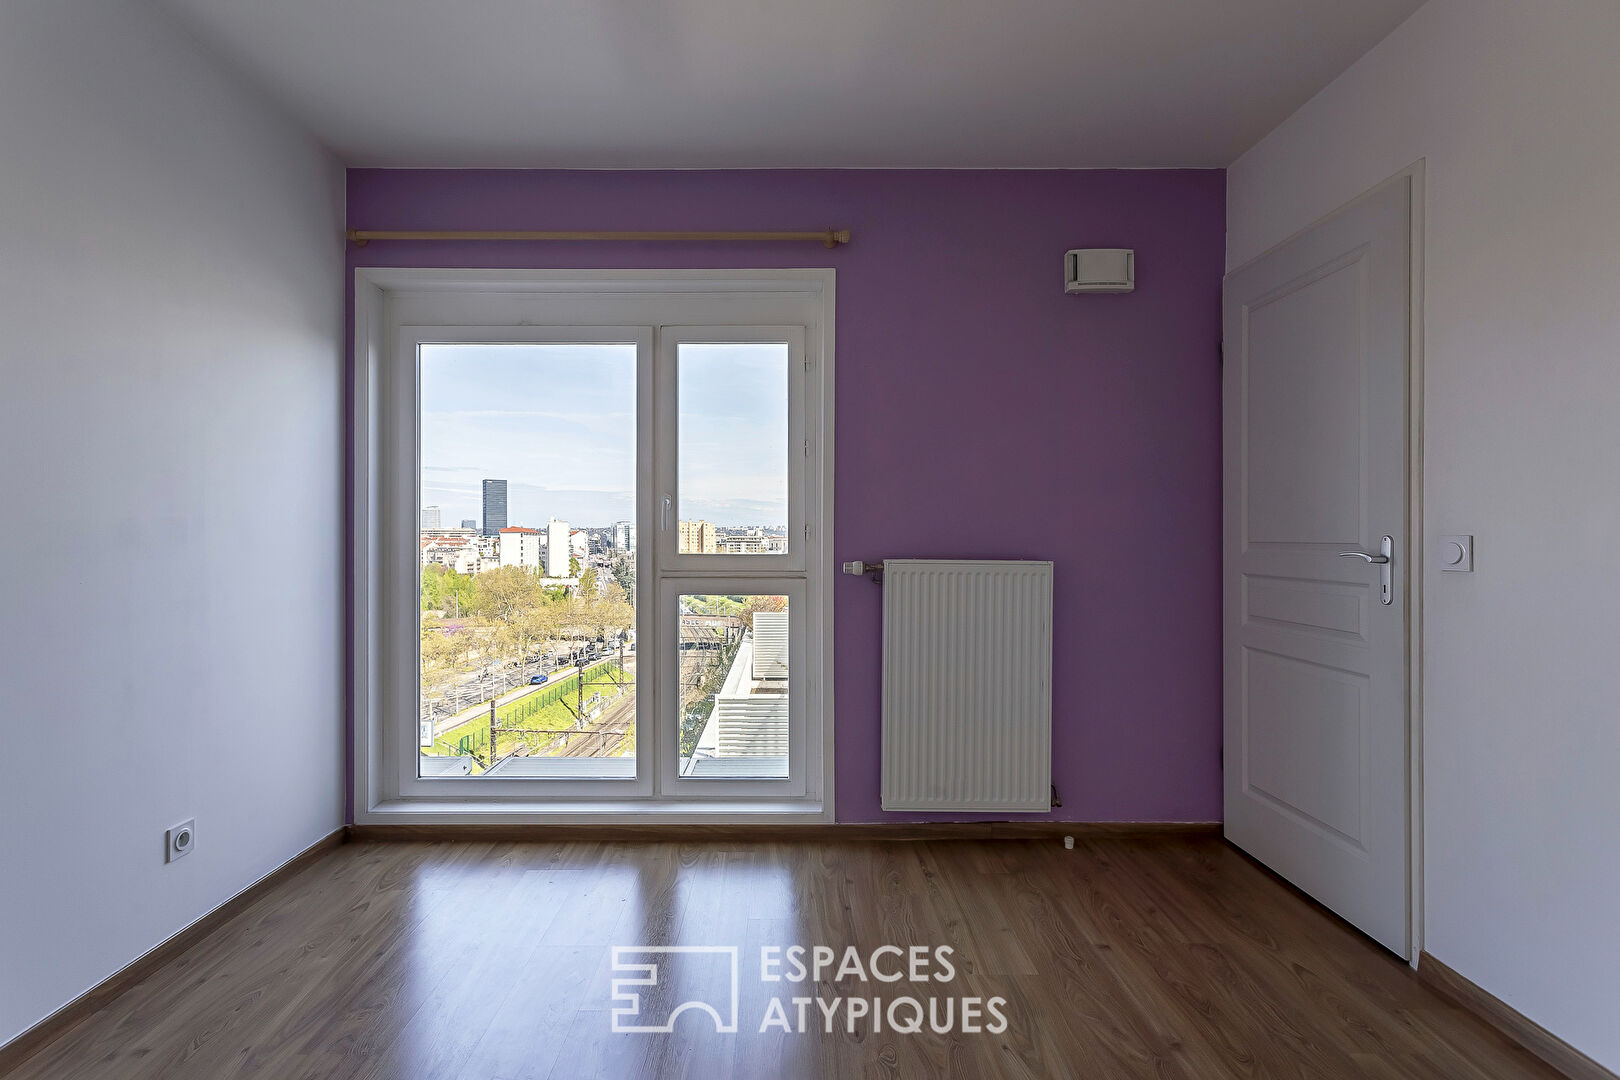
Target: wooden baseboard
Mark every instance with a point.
(63, 1020)
(1509, 1021)
(899, 831)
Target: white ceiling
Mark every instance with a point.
(774, 83)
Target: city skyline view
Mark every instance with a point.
(557, 422)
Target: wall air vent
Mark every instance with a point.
(1099, 270)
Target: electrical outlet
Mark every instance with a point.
(180, 840)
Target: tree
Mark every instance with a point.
(460, 596)
(447, 651)
(530, 628)
(500, 594)
(754, 604)
(433, 588)
(610, 612)
(440, 651)
(445, 590)
(624, 572)
(520, 613)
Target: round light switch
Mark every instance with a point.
(1456, 553)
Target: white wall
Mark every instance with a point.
(170, 491)
(1516, 109)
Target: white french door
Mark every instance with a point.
(598, 567)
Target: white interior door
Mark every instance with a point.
(1315, 655)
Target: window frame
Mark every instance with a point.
(405, 683)
(393, 304)
(672, 587)
(800, 505)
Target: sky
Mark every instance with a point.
(557, 423)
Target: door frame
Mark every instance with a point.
(373, 799)
(1414, 176)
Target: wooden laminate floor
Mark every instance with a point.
(493, 961)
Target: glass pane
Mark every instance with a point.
(528, 487)
(733, 686)
(733, 448)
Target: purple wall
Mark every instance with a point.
(980, 413)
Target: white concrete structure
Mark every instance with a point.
(1512, 108)
(770, 660)
(430, 518)
(624, 536)
(435, 765)
(751, 714)
(441, 550)
(460, 550)
(557, 548)
(520, 547)
(751, 542)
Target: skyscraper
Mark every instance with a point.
(494, 507)
(469, 523)
(430, 519)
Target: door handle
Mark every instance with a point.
(1386, 552)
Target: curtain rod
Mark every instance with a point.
(830, 238)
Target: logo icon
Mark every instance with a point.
(628, 1017)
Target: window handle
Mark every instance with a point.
(663, 515)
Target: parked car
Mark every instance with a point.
(538, 679)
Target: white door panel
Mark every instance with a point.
(1316, 387)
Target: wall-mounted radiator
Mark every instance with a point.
(967, 685)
